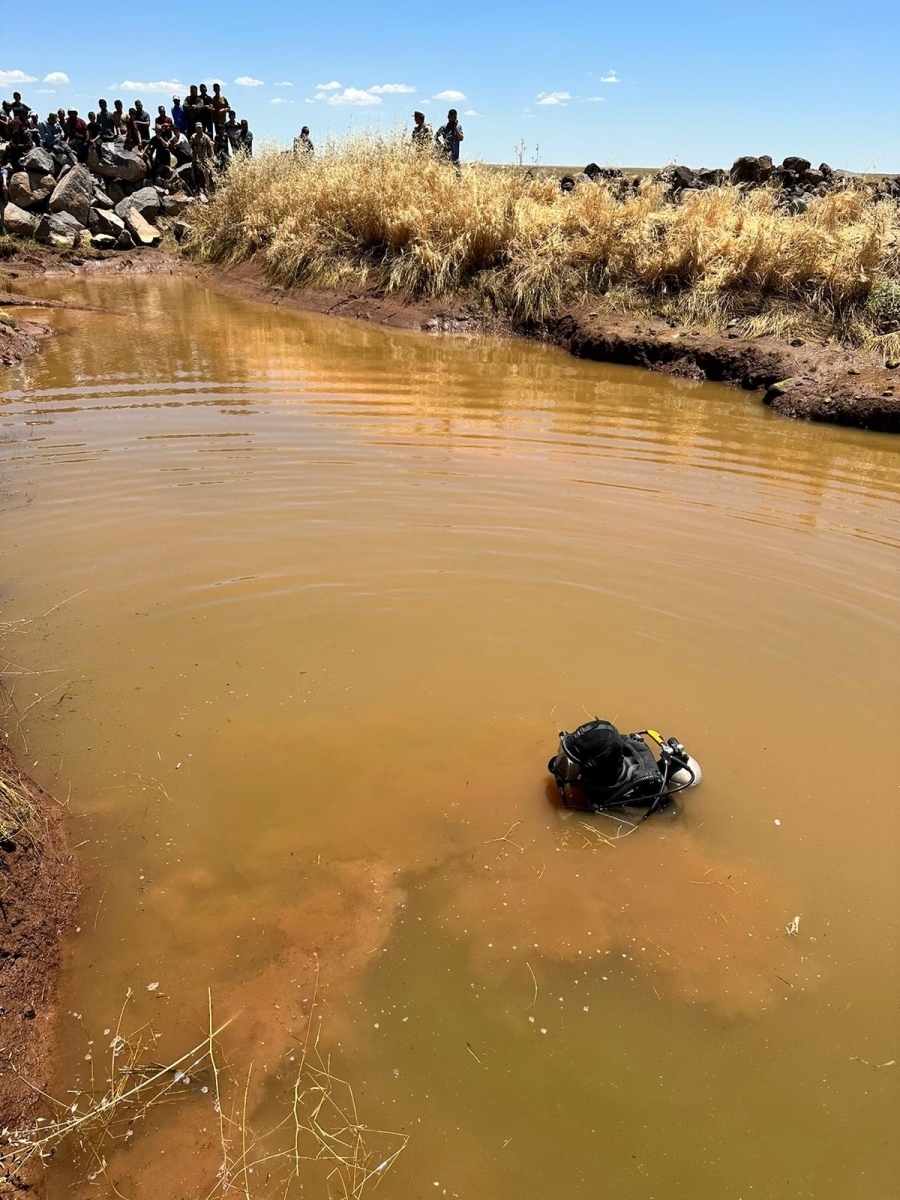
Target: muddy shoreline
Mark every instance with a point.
(38, 893)
(808, 381)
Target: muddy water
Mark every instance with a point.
(328, 592)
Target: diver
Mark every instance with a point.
(597, 768)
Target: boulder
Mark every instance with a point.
(826, 170)
(29, 189)
(63, 158)
(676, 178)
(813, 177)
(140, 229)
(113, 161)
(103, 241)
(174, 206)
(594, 172)
(145, 201)
(745, 170)
(784, 177)
(115, 191)
(59, 229)
(796, 164)
(183, 177)
(73, 194)
(101, 200)
(712, 177)
(533, 173)
(40, 161)
(19, 222)
(181, 230)
(103, 221)
(124, 241)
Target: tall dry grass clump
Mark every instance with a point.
(372, 211)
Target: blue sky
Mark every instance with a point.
(637, 85)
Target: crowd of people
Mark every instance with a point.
(202, 129)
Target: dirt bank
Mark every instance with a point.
(37, 897)
(810, 381)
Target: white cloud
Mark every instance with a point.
(610, 78)
(210, 82)
(56, 77)
(9, 78)
(248, 81)
(591, 100)
(45, 91)
(391, 89)
(328, 87)
(449, 95)
(470, 112)
(353, 95)
(553, 97)
(155, 85)
(284, 83)
(280, 100)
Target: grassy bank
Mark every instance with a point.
(372, 213)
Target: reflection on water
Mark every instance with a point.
(331, 589)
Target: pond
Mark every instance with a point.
(322, 594)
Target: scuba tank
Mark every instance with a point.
(597, 768)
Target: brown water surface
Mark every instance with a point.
(328, 593)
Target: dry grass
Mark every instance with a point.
(370, 211)
(318, 1138)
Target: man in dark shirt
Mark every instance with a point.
(232, 133)
(205, 114)
(19, 109)
(192, 106)
(106, 123)
(449, 136)
(142, 122)
(93, 129)
(77, 134)
(220, 109)
(246, 139)
(161, 151)
(421, 134)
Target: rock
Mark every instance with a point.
(181, 229)
(796, 164)
(29, 189)
(797, 205)
(745, 170)
(567, 183)
(101, 200)
(103, 241)
(174, 206)
(712, 177)
(40, 161)
(594, 172)
(677, 179)
(115, 191)
(145, 201)
(124, 241)
(783, 177)
(18, 221)
(103, 221)
(538, 173)
(140, 229)
(59, 229)
(63, 158)
(778, 389)
(826, 170)
(113, 161)
(813, 177)
(73, 194)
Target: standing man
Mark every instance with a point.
(106, 123)
(246, 139)
(77, 134)
(142, 122)
(448, 138)
(303, 147)
(231, 131)
(203, 157)
(421, 134)
(220, 109)
(179, 117)
(205, 110)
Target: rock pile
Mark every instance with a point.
(59, 201)
(796, 181)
